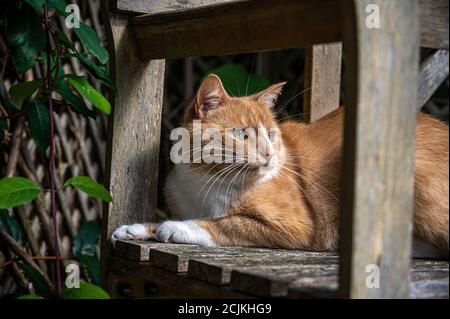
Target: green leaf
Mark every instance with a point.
(39, 124)
(91, 42)
(30, 296)
(26, 37)
(238, 82)
(85, 247)
(86, 291)
(64, 39)
(91, 264)
(81, 84)
(90, 187)
(99, 71)
(38, 4)
(39, 284)
(87, 239)
(15, 191)
(76, 104)
(22, 91)
(11, 226)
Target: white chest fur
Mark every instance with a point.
(196, 194)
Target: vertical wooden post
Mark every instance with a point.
(322, 80)
(134, 133)
(380, 118)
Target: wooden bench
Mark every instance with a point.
(385, 86)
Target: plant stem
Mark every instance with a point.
(52, 156)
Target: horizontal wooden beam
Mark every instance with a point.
(163, 6)
(433, 71)
(176, 29)
(238, 27)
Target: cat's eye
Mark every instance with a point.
(239, 133)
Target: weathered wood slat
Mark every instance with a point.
(140, 250)
(434, 23)
(194, 29)
(322, 80)
(218, 270)
(433, 71)
(238, 27)
(274, 281)
(134, 133)
(185, 286)
(164, 6)
(379, 148)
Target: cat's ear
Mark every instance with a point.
(269, 96)
(210, 96)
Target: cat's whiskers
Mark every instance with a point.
(230, 168)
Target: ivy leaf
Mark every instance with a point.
(81, 84)
(15, 191)
(26, 37)
(99, 71)
(39, 284)
(86, 291)
(90, 187)
(11, 226)
(39, 124)
(76, 104)
(91, 42)
(21, 91)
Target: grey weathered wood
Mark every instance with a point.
(379, 146)
(140, 250)
(238, 27)
(217, 270)
(163, 6)
(274, 281)
(433, 71)
(322, 80)
(434, 23)
(194, 29)
(134, 132)
(188, 287)
(177, 258)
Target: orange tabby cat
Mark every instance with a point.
(289, 196)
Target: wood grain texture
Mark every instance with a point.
(228, 27)
(380, 119)
(238, 27)
(133, 131)
(163, 6)
(434, 23)
(140, 250)
(185, 286)
(433, 71)
(322, 80)
(217, 270)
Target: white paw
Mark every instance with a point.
(130, 232)
(186, 232)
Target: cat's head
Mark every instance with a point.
(251, 142)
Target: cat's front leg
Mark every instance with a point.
(184, 232)
(181, 232)
(135, 232)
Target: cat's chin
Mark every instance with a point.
(266, 173)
